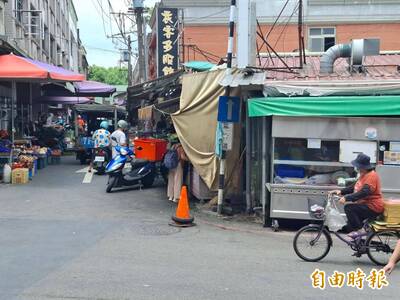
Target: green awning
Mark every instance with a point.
(199, 65)
(325, 106)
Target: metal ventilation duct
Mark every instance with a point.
(331, 55)
(361, 48)
(356, 50)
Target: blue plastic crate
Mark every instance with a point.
(41, 162)
(55, 160)
(87, 142)
(289, 171)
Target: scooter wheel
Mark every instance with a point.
(111, 183)
(100, 171)
(148, 181)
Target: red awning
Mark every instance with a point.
(17, 67)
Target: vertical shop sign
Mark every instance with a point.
(167, 40)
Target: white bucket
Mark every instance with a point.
(7, 173)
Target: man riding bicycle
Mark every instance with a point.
(364, 199)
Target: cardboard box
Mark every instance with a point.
(20, 176)
(391, 158)
(392, 211)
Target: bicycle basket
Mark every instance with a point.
(316, 207)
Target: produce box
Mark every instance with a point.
(150, 149)
(20, 176)
(56, 152)
(392, 211)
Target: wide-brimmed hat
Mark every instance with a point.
(362, 162)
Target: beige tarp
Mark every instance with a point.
(145, 113)
(196, 123)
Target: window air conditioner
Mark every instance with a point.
(59, 59)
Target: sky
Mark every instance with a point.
(95, 24)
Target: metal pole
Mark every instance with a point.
(76, 127)
(115, 118)
(139, 24)
(264, 158)
(129, 61)
(183, 36)
(300, 29)
(13, 101)
(221, 179)
(30, 103)
(146, 52)
(248, 160)
(22, 119)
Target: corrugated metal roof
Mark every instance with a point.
(243, 78)
(384, 67)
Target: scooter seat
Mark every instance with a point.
(138, 163)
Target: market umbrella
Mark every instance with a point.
(21, 68)
(17, 68)
(63, 100)
(83, 88)
(199, 65)
(94, 89)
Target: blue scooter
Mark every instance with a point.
(143, 172)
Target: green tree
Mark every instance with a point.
(112, 75)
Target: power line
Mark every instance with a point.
(101, 49)
(100, 13)
(210, 15)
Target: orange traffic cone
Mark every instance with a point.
(182, 216)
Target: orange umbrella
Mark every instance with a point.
(21, 68)
(17, 68)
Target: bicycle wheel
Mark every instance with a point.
(380, 246)
(308, 247)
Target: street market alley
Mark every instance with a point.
(63, 239)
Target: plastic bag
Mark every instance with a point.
(334, 220)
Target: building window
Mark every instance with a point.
(321, 39)
(19, 6)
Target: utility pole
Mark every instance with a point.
(300, 32)
(221, 178)
(138, 9)
(130, 83)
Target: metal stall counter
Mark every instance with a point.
(310, 156)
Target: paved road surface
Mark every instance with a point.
(61, 239)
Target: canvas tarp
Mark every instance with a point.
(196, 123)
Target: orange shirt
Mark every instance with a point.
(375, 200)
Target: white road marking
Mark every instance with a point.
(84, 170)
(88, 177)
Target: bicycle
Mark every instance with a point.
(378, 245)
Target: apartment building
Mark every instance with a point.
(45, 30)
(2, 14)
(326, 22)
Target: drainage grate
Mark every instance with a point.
(157, 229)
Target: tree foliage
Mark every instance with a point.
(112, 75)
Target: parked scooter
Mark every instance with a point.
(100, 160)
(143, 172)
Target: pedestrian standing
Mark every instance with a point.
(175, 175)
